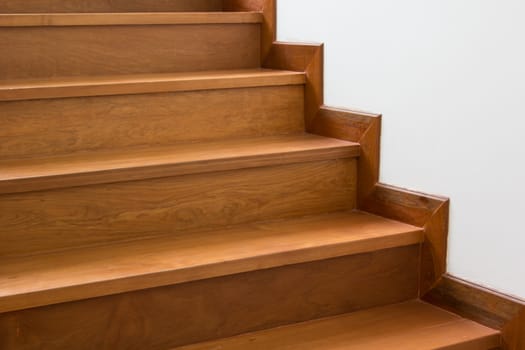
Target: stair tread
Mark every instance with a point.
(96, 271)
(127, 18)
(76, 86)
(85, 168)
(412, 325)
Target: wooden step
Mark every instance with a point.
(128, 18)
(182, 159)
(408, 326)
(91, 272)
(215, 308)
(69, 217)
(57, 45)
(28, 89)
(35, 6)
(147, 111)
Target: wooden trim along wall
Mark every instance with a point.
(484, 306)
(418, 209)
(422, 210)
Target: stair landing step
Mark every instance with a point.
(77, 274)
(408, 326)
(27, 89)
(182, 159)
(129, 18)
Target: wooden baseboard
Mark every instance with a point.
(484, 306)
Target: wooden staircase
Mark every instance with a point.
(170, 180)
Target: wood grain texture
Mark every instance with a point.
(172, 316)
(182, 159)
(268, 8)
(54, 127)
(307, 58)
(26, 89)
(42, 52)
(85, 273)
(127, 18)
(484, 306)
(422, 210)
(355, 126)
(407, 326)
(61, 6)
(37, 222)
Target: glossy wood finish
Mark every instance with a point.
(307, 58)
(422, 210)
(182, 314)
(25, 89)
(482, 305)
(268, 9)
(91, 272)
(408, 326)
(355, 126)
(36, 6)
(183, 159)
(54, 127)
(42, 52)
(128, 18)
(38, 222)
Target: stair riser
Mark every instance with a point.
(35, 6)
(37, 52)
(166, 317)
(60, 126)
(37, 222)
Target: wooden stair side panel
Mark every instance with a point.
(166, 317)
(52, 220)
(51, 127)
(55, 51)
(64, 6)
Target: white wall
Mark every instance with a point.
(449, 78)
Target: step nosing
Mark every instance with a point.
(102, 167)
(128, 18)
(146, 83)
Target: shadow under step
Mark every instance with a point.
(97, 271)
(408, 326)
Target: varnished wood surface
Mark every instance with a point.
(182, 159)
(54, 127)
(268, 9)
(43, 221)
(44, 52)
(307, 58)
(355, 126)
(422, 210)
(166, 317)
(408, 326)
(482, 305)
(42, 6)
(129, 18)
(23, 89)
(87, 273)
